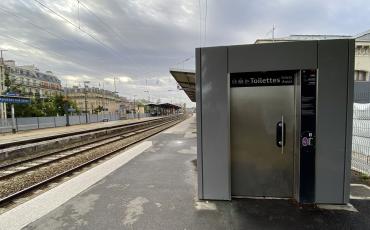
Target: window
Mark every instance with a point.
(360, 75)
(366, 50)
(362, 50)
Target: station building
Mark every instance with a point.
(163, 109)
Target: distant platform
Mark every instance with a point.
(35, 134)
(153, 186)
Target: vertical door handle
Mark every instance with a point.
(280, 134)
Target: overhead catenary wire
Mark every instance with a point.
(11, 52)
(20, 17)
(36, 47)
(29, 21)
(87, 33)
(76, 26)
(101, 20)
(108, 27)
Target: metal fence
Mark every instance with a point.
(361, 138)
(29, 123)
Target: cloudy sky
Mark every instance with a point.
(137, 41)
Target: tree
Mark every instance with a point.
(29, 110)
(7, 81)
(98, 109)
(40, 107)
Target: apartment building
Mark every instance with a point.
(30, 81)
(27, 81)
(94, 99)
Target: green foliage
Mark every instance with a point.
(364, 177)
(39, 107)
(7, 81)
(98, 109)
(44, 107)
(12, 87)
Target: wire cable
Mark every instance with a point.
(73, 24)
(107, 27)
(20, 17)
(112, 51)
(100, 20)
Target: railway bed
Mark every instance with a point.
(23, 148)
(21, 177)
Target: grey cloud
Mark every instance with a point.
(151, 36)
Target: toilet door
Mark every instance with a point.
(262, 121)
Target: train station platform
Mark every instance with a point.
(30, 135)
(153, 186)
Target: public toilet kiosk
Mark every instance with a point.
(275, 120)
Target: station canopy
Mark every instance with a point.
(186, 80)
(164, 106)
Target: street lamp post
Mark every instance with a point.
(134, 107)
(3, 114)
(85, 92)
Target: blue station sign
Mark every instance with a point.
(15, 100)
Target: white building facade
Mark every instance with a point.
(27, 81)
(92, 98)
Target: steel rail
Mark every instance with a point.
(61, 135)
(13, 196)
(93, 146)
(131, 125)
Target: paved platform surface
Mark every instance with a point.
(157, 190)
(40, 133)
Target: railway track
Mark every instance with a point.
(108, 132)
(11, 169)
(20, 178)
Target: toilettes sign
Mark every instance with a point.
(269, 78)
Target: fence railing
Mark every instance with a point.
(29, 123)
(361, 138)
